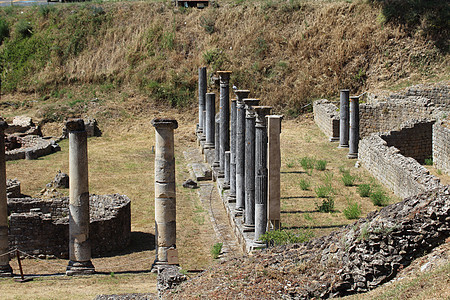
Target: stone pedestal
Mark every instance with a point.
(344, 119)
(261, 173)
(224, 108)
(201, 99)
(165, 192)
(5, 268)
(79, 242)
(209, 121)
(249, 215)
(216, 163)
(274, 166)
(354, 128)
(240, 150)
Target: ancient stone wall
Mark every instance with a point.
(326, 117)
(413, 140)
(403, 175)
(441, 145)
(41, 226)
(439, 93)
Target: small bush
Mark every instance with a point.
(348, 179)
(321, 165)
(379, 198)
(364, 190)
(323, 191)
(307, 164)
(216, 249)
(304, 184)
(428, 161)
(24, 29)
(282, 237)
(352, 211)
(327, 205)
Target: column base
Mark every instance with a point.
(239, 212)
(226, 185)
(232, 199)
(352, 155)
(342, 146)
(333, 139)
(248, 228)
(209, 146)
(80, 268)
(258, 245)
(6, 271)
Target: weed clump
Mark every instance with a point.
(216, 249)
(348, 179)
(352, 211)
(321, 165)
(305, 184)
(326, 206)
(379, 198)
(307, 164)
(323, 191)
(364, 190)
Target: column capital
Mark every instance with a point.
(241, 94)
(224, 75)
(261, 113)
(163, 122)
(75, 124)
(354, 98)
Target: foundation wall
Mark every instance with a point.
(441, 145)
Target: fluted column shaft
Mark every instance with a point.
(240, 150)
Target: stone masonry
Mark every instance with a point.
(441, 145)
(326, 117)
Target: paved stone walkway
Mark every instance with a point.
(211, 201)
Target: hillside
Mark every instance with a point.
(286, 53)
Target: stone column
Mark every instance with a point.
(344, 120)
(209, 121)
(224, 108)
(79, 241)
(261, 173)
(249, 217)
(232, 195)
(201, 99)
(165, 193)
(274, 166)
(226, 183)
(354, 128)
(5, 268)
(240, 150)
(216, 162)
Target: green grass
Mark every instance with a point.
(305, 184)
(321, 165)
(326, 206)
(348, 179)
(282, 237)
(216, 249)
(352, 211)
(364, 190)
(323, 191)
(379, 198)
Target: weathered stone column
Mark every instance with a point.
(201, 99)
(274, 166)
(261, 173)
(249, 216)
(79, 241)
(216, 162)
(354, 128)
(165, 193)
(5, 268)
(224, 77)
(240, 150)
(344, 119)
(209, 121)
(232, 195)
(226, 183)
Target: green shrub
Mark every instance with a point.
(24, 29)
(321, 165)
(323, 191)
(352, 211)
(4, 30)
(216, 249)
(364, 190)
(428, 161)
(307, 164)
(327, 205)
(379, 198)
(282, 237)
(305, 184)
(348, 179)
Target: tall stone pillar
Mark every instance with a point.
(209, 121)
(79, 241)
(274, 166)
(354, 128)
(224, 108)
(261, 173)
(232, 195)
(344, 119)
(240, 150)
(202, 82)
(5, 268)
(249, 216)
(226, 184)
(216, 162)
(165, 193)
